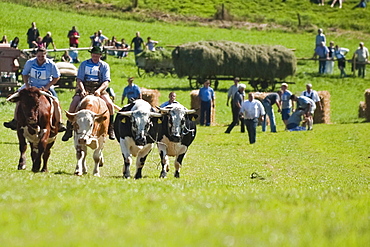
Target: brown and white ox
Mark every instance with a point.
(90, 125)
(36, 124)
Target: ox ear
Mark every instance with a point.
(71, 116)
(192, 117)
(100, 117)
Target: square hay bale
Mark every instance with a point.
(323, 115)
(195, 104)
(151, 96)
(367, 104)
(362, 110)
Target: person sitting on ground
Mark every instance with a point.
(73, 53)
(171, 100)
(42, 73)
(66, 58)
(294, 121)
(123, 47)
(131, 91)
(93, 77)
(38, 43)
(4, 40)
(14, 43)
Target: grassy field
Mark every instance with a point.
(315, 186)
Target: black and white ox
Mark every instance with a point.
(136, 134)
(177, 133)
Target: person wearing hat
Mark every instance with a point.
(268, 102)
(237, 102)
(93, 77)
(361, 56)
(312, 94)
(131, 91)
(286, 103)
(230, 95)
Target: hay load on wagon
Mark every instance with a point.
(154, 62)
(261, 64)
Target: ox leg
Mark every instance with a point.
(165, 166)
(46, 156)
(126, 166)
(140, 161)
(36, 157)
(98, 158)
(22, 150)
(178, 164)
(81, 159)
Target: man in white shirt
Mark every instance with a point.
(312, 94)
(251, 110)
(361, 55)
(230, 95)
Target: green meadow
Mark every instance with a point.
(313, 188)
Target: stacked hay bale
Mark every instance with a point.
(323, 115)
(151, 96)
(210, 58)
(195, 104)
(149, 60)
(66, 69)
(364, 108)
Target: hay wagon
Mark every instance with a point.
(262, 66)
(152, 63)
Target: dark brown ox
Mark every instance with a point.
(90, 125)
(35, 124)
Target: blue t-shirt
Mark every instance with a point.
(40, 76)
(206, 94)
(285, 100)
(131, 92)
(90, 71)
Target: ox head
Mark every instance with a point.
(176, 121)
(83, 124)
(140, 124)
(29, 102)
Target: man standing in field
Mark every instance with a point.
(251, 110)
(312, 94)
(73, 37)
(206, 96)
(236, 106)
(361, 56)
(268, 102)
(131, 91)
(286, 103)
(230, 95)
(32, 35)
(323, 53)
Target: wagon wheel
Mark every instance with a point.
(261, 85)
(195, 83)
(141, 72)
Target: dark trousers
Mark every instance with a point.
(322, 65)
(205, 112)
(251, 125)
(361, 70)
(236, 120)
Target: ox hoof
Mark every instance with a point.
(96, 175)
(44, 170)
(21, 167)
(163, 174)
(177, 174)
(78, 173)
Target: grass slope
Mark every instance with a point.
(315, 190)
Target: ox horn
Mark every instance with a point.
(165, 110)
(125, 113)
(155, 114)
(13, 96)
(48, 95)
(190, 111)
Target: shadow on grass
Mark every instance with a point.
(9, 143)
(63, 173)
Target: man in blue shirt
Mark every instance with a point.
(131, 92)
(93, 77)
(206, 96)
(323, 52)
(171, 100)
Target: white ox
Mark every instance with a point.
(90, 124)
